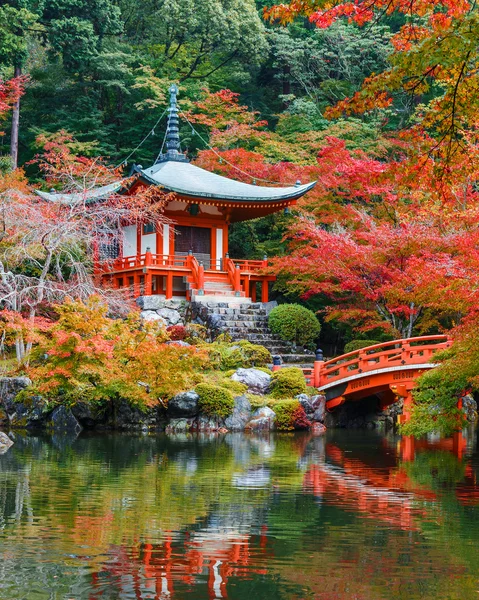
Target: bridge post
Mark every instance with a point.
(318, 363)
(276, 363)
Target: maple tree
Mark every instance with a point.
(377, 274)
(434, 59)
(46, 246)
(86, 356)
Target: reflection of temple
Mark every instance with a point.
(207, 558)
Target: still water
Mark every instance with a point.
(344, 516)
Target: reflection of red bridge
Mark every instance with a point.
(387, 370)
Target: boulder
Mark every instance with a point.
(260, 424)
(9, 388)
(83, 412)
(469, 408)
(183, 405)
(152, 315)
(258, 382)
(150, 302)
(5, 442)
(215, 322)
(180, 343)
(305, 402)
(29, 415)
(206, 424)
(264, 411)
(262, 419)
(62, 420)
(127, 416)
(169, 315)
(180, 425)
(318, 403)
(240, 416)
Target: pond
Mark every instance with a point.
(348, 515)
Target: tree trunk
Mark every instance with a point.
(15, 125)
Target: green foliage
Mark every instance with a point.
(287, 383)
(358, 345)
(214, 401)
(235, 355)
(294, 323)
(435, 404)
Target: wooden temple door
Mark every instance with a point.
(196, 239)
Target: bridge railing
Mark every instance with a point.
(397, 353)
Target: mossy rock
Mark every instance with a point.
(288, 383)
(237, 355)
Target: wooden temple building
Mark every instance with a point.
(188, 256)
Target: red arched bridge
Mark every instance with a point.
(387, 371)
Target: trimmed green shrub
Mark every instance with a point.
(214, 401)
(358, 344)
(294, 323)
(290, 415)
(287, 383)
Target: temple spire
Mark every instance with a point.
(173, 149)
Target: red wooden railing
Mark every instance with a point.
(411, 351)
(147, 259)
(238, 272)
(234, 274)
(251, 266)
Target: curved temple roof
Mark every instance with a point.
(87, 196)
(188, 180)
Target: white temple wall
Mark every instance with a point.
(129, 240)
(148, 241)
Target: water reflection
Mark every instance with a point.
(348, 515)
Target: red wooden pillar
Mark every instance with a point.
(169, 286)
(148, 275)
(201, 277)
(136, 284)
(264, 291)
(237, 281)
(148, 283)
(253, 291)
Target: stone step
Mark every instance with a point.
(296, 359)
(218, 300)
(219, 285)
(234, 315)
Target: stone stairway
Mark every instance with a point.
(216, 286)
(249, 321)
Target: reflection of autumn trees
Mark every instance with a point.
(158, 515)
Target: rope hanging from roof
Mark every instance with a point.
(151, 132)
(223, 159)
